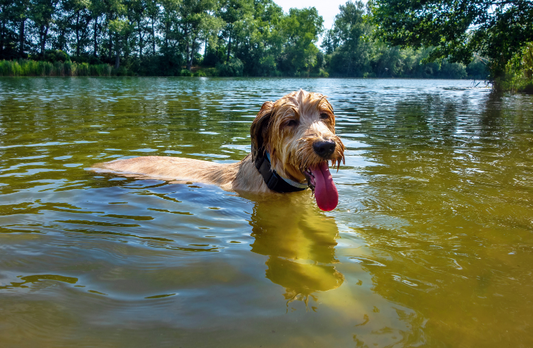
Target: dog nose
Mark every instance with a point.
(324, 148)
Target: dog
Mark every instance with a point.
(293, 142)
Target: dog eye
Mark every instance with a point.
(324, 116)
(292, 123)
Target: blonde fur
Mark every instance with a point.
(287, 129)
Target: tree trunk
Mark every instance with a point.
(110, 53)
(117, 55)
(95, 37)
(140, 42)
(229, 48)
(191, 58)
(153, 38)
(43, 33)
(78, 34)
(187, 51)
(61, 40)
(167, 30)
(2, 39)
(117, 60)
(21, 39)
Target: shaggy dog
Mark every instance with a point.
(293, 139)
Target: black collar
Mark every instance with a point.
(274, 181)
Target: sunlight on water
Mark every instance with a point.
(431, 244)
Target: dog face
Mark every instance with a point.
(298, 131)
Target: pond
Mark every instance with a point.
(431, 243)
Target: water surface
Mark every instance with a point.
(431, 244)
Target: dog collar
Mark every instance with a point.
(273, 180)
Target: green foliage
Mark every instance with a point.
(207, 72)
(100, 70)
(519, 72)
(234, 67)
(23, 67)
(527, 61)
(355, 49)
(455, 70)
(458, 29)
(200, 73)
(53, 56)
(477, 69)
(185, 72)
(349, 41)
(301, 28)
(205, 38)
(82, 69)
(260, 42)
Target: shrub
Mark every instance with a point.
(477, 69)
(185, 72)
(234, 67)
(200, 73)
(519, 72)
(210, 71)
(56, 56)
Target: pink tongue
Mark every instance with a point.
(326, 193)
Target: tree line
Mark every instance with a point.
(500, 31)
(222, 37)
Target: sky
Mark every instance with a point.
(326, 8)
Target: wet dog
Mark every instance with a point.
(293, 141)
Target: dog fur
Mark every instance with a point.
(287, 129)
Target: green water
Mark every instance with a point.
(431, 244)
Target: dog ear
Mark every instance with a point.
(259, 128)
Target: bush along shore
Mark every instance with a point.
(234, 68)
(519, 72)
(518, 75)
(518, 78)
(26, 67)
(379, 38)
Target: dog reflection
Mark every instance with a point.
(300, 243)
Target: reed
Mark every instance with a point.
(26, 67)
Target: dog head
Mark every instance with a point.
(298, 131)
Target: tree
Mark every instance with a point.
(301, 29)
(197, 24)
(119, 29)
(41, 14)
(73, 17)
(262, 41)
(458, 29)
(349, 38)
(20, 13)
(329, 42)
(10, 13)
(235, 14)
(153, 13)
(137, 14)
(97, 9)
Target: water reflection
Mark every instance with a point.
(300, 244)
(450, 200)
(430, 243)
